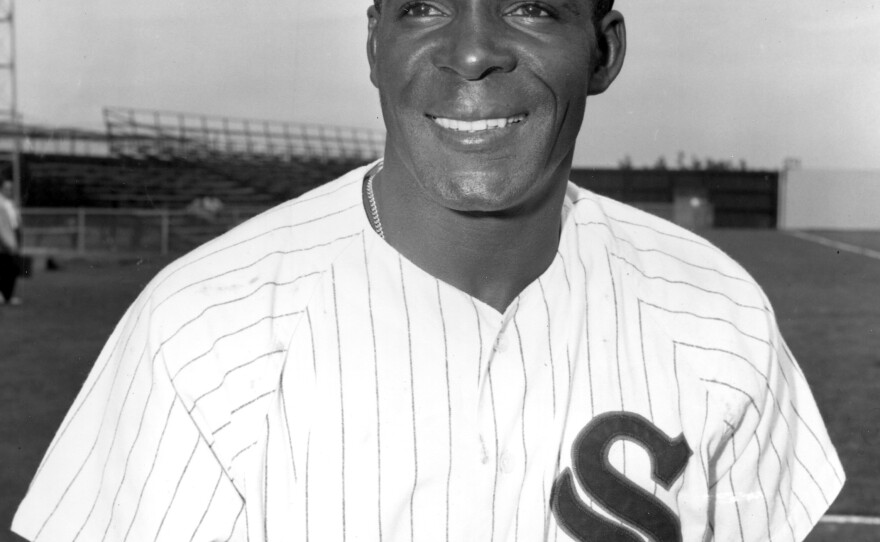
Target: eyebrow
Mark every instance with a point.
(572, 7)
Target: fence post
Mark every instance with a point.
(80, 230)
(166, 229)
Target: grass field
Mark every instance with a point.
(827, 303)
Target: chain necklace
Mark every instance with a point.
(374, 211)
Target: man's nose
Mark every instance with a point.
(475, 46)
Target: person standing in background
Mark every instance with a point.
(10, 244)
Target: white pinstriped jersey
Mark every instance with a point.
(297, 379)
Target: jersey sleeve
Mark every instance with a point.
(128, 462)
(776, 472)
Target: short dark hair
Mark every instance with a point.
(602, 7)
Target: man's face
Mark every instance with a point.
(483, 99)
(6, 189)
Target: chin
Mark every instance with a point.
(475, 192)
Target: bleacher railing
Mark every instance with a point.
(163, 134)
(44, 140)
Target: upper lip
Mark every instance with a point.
(475, 116)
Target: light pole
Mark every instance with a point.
(8, 100)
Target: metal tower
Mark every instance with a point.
(10, 151)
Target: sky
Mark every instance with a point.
(744, 79)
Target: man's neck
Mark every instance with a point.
(491, 257)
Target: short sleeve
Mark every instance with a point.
(128, 462)
(777, 472)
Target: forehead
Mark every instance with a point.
(599, 5)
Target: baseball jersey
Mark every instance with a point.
(299, 379)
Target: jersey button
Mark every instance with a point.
(500, 344)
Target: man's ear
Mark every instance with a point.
(372, 22)
(611, 35)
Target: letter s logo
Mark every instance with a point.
(620, 497)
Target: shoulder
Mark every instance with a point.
(684, 288)
(301, 234)
(656, 250)
(230, 306)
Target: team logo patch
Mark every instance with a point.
(619, 496)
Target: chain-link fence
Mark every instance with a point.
(82, 231)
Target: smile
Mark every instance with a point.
(477, 125)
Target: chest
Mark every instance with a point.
(411, 410)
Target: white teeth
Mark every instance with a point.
(477, 125)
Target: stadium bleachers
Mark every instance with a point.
(171, 161)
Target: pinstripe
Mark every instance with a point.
(761, 486)
(283, 397)
(778, 492)
(252, 401)
(804, 506)
(794, 450)
(564, 270)
(266, 484)
(664, 253)
(645, 367)
(312, 343)
(299, 201)
(227, 302)
(243, 450)
(789, 357)
(124, 467)
(229, 372)
(412, 387)
(703, 460)
(688, 284)
(549, 345)
(231, 334)
(448, 402)
(545, 505)
(341, 394)
(666, 234)
(250, 265)
(177, 487)
(235, 523)
(709, 318)
(376, 376)
(617, 346)
(677, 381)
(495, 427)
(816, 438)
(522, 358)
(742, 535)
(207, 508)
(244, 242)
(480, 338)
(616, 338)
(221, 428)
(137, 507)
(587, 333)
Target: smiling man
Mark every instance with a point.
(453, 343)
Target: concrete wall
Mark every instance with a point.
(828, 199)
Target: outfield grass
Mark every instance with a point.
(48, 346)
(828, 305)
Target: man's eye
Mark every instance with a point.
(533, 11)
(420, 9)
